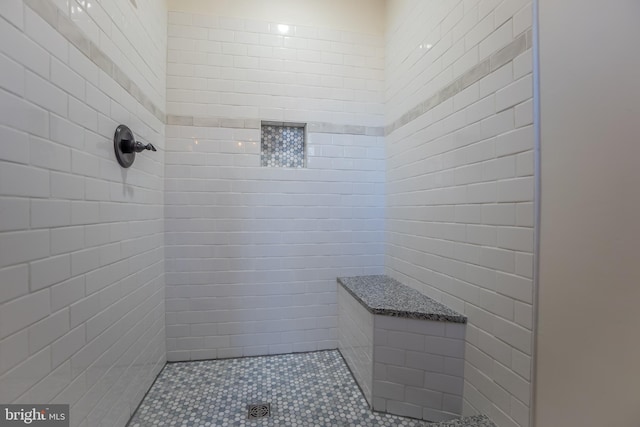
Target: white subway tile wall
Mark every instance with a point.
(81, 240)
(418, 367)
(253, 253)
(459, 182)
(239, 68)
(355, 341)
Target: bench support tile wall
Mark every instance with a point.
(405, 366)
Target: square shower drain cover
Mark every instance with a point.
(258, 410)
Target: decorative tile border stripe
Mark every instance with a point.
(319, 127)
(48, 11)
(213, 122)
(484, 68)
(312, 127)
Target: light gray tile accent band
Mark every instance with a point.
(48, 11)
(213, 122)
(474, 74)
(312, 127)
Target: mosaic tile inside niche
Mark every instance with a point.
(282, 146)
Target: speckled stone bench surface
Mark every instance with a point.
(386, 296)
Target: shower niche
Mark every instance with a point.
(283, 145)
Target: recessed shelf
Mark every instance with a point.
(282, 145)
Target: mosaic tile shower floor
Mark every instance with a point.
(304, 389)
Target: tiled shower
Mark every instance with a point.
(297, 142)
(241, 259)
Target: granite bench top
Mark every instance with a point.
(386, 296)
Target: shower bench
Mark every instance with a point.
(405, 350)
